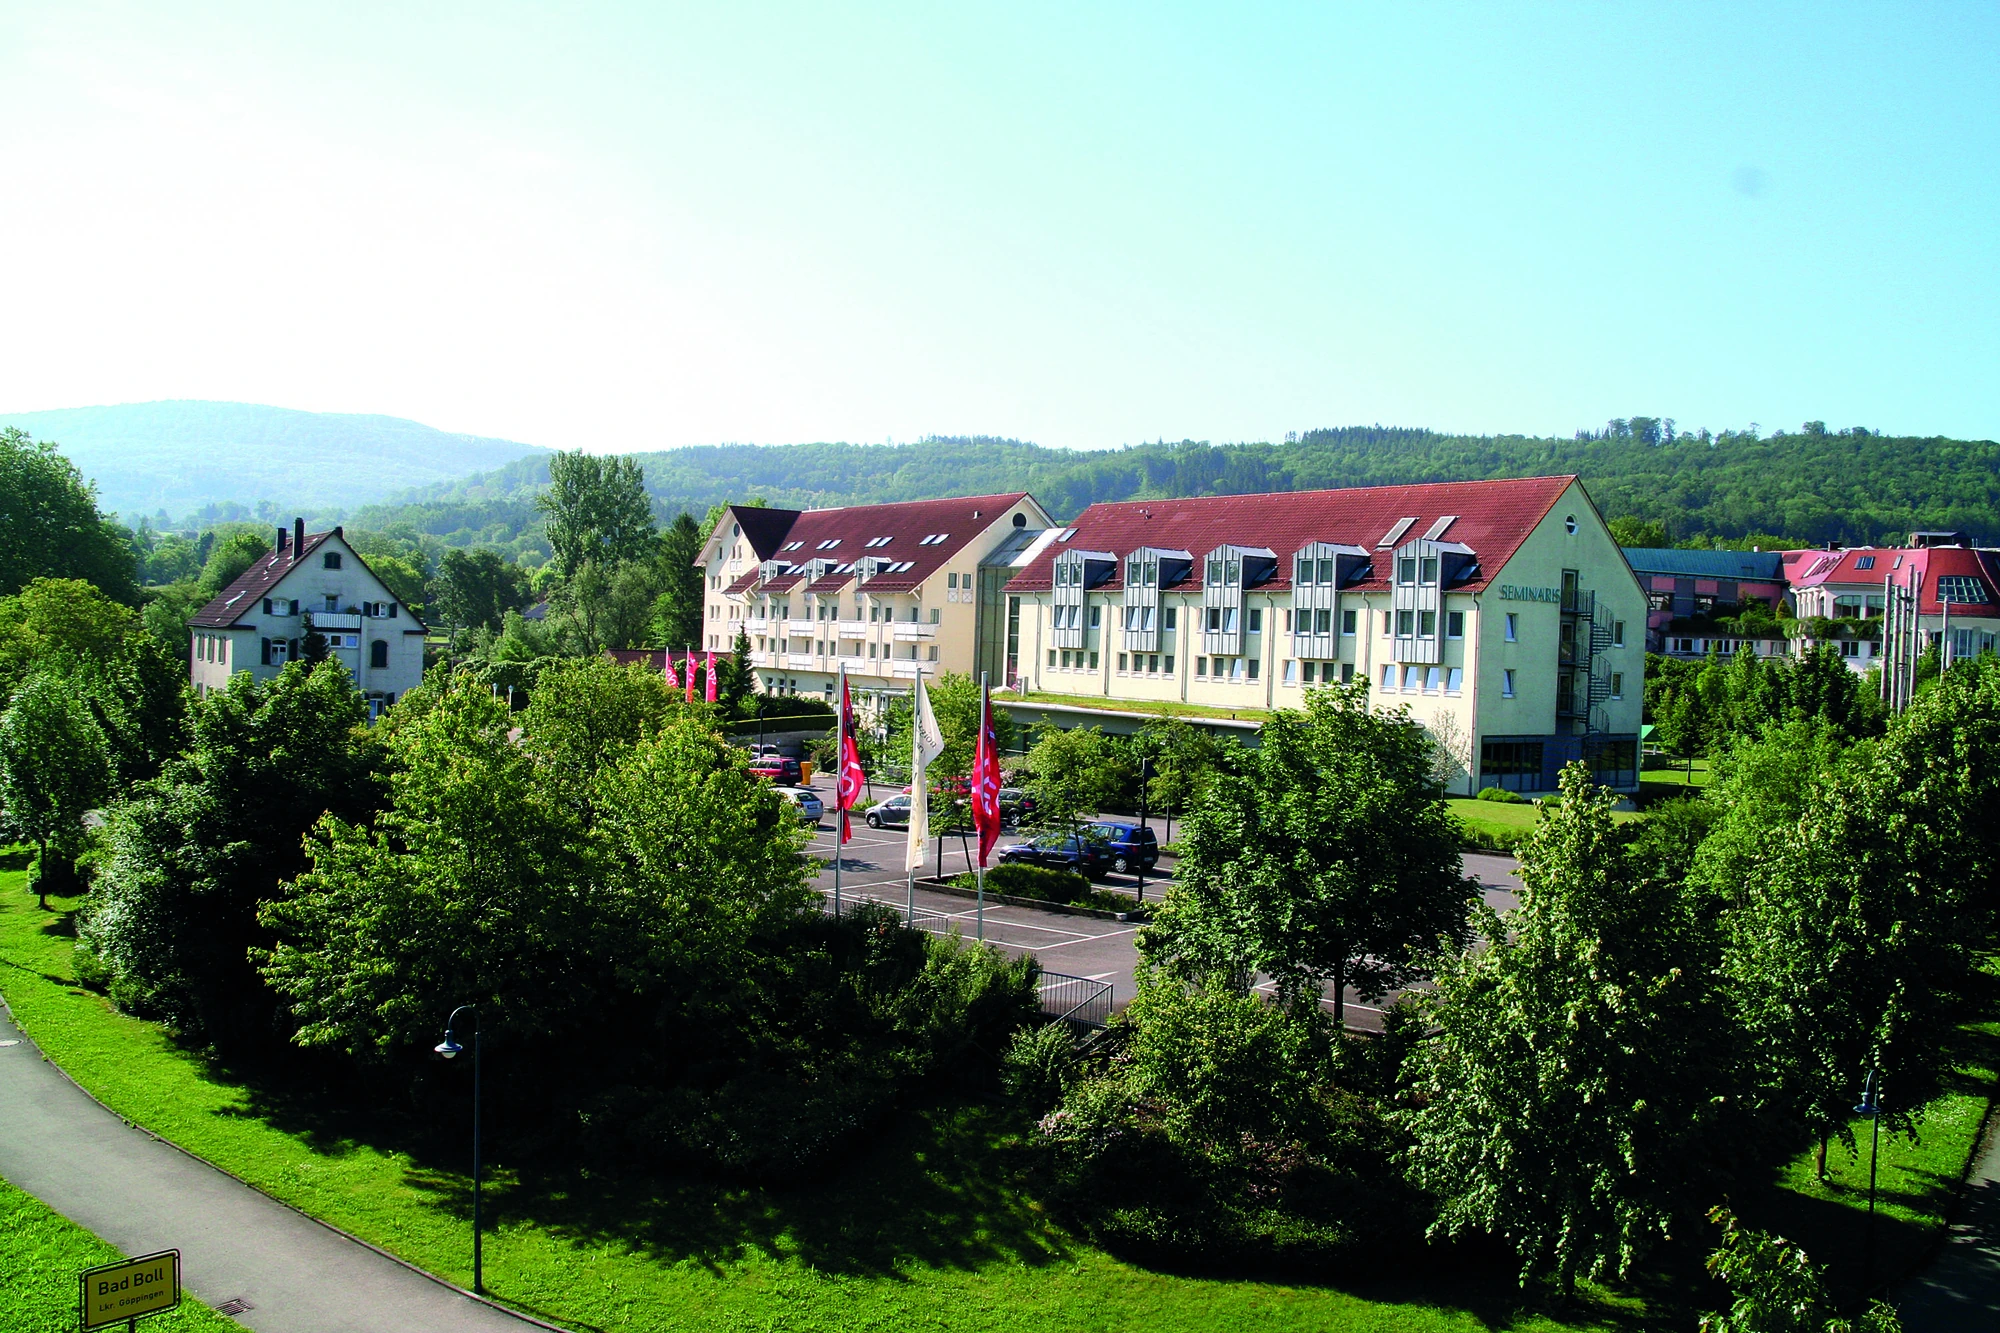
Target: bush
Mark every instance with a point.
(1500, 796)
(1504, 841)
(1044, 884)
(1212, 1129)
(1036, 1069)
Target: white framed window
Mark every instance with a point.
(1617, 634)
(1454, 680)
(1513, 627)
(1388, 678)
(1454, 624)
(1347, 619)
(1413, 679)
(1433, 679)
(1507, 683)
(1618, 685)
(1121, 664)
(1291, 672)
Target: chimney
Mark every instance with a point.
(298, 538)
(282, 535)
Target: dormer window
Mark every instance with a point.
(1215, 572)
(1429, 571)
(1406, 570)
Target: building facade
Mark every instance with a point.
(310, 582)
(1501, 614)
(1689, 592)
(1957, 588)
(887, 591)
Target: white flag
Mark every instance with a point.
(926, 744)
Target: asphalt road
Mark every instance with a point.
(143, 1195)
(872, 867)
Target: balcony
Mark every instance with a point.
(800, 661)
(906, 669)
(802, 629)
(1578, 602)
(851, 629)
(334, 620)
(911, 631)
(764, 659)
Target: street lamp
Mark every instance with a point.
(450, 1049)
(1870, 1110)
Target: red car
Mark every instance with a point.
(778, 769)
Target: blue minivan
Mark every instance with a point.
(1132, 845)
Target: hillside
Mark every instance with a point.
(182, 456)
(1810, 486)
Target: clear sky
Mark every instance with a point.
(628, 227)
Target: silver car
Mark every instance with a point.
(808, 803)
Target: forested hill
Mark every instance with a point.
(1810, 486)
(187, 456)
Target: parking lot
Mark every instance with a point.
(872, 867)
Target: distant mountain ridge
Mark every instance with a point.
(1810, 485)
(181, 455)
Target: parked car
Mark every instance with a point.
(778, 769)
(807, 800)
(1016, 807)
(1132, 845)
(1087, 855)
(894, 813)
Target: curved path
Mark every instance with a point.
(141, 1194)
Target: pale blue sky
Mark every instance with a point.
(631, 227)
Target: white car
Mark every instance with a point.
(807, 801)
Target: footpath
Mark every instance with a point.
(288, 1273)
(1961, 1288)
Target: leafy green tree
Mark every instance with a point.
(1325, 857)
(1182, 757)
(1638, 532)
(228, 559)
(677, 611)
(585, 714)
(1567, 1099)
(476, 589)
(54, 767)
(597, 511)
(50, 526)
(191, 855)
(955, 702)
(1778, 1289)
(735, 678)
(1075, 773)
(53, 620)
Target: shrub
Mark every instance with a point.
(1036, 1069)
(1500, 796)
(1046, 885)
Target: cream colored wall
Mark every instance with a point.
(1602, 569)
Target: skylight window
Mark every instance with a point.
(828, 544)
(1960, 588)
(1864, 562)
(1395, 534)
(879, 541)
(793, 546)
(933, 539)
(1437, 529)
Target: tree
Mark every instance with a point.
(735, 678)
(49, 523)
(597, 511)
(1326, 856)
(677, 611)
(1566, 1098)
(476, 589)
(54, 620)
(228, 559)
(1074, 774)
(191, 855)
(1638, 532)
(54, 766)
(1778, 1289)
(1183, 757)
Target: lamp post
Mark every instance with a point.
(1139, 846)
(449, 1049)
(1870, 1110)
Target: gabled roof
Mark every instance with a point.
(1493, 518)
(1900, 564)
(254, 584)
(1754, 565)
(950, 524)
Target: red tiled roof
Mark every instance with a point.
(1899, 564)
(247, 593)
(852, 527)
(1492, 517)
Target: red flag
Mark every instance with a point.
(851, 777)
(710, 667)
(986, 780)
(673, 681)
(688, 662)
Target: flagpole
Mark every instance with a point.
(985, 704)
(919, 789)
(839, 776)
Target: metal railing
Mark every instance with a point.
(1075, 999)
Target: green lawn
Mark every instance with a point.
(1680, 778)
(926, 1227)
(41, 1253)
(1151, 709)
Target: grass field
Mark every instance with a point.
(1102, 704)
(926, 1228)
(41, 1252)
